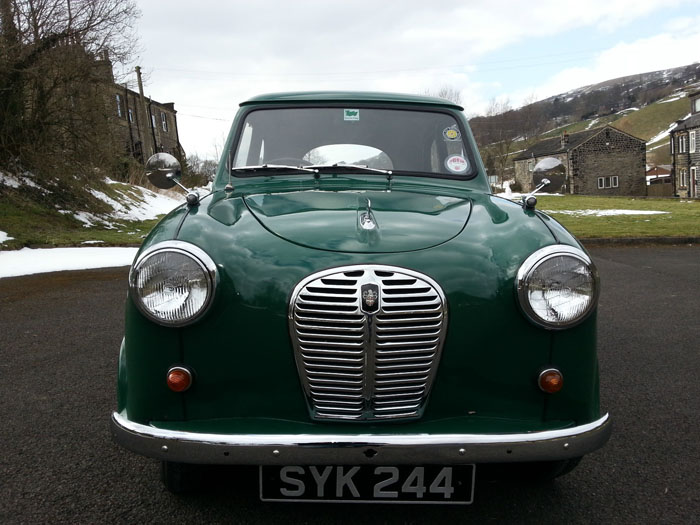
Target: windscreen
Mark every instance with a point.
(410, 141)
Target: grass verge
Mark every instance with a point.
(681, 218)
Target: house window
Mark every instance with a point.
(692, 141)
(608, 182)
(683, 178)
(131, 115)
(696, 105)
(119, 106)
(531, 165)
(153, 121)
(682, 144)
(164, 121)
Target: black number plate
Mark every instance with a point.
(368, 483)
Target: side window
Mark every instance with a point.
(164, 121)
(244, 147)
(119, 106)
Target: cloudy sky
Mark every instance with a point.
(208, 56)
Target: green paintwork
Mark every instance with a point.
(331, 220)
(354, 97)
(271, 232)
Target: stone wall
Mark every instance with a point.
(684, 162)
(609, 154)
(132, 124)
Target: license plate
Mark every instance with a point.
(368, 483)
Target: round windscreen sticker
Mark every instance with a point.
(457, 164)
(451, 133)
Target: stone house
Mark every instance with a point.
(685, 151)
(602, 161)
(140, 126)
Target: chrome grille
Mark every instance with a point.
(359, 366)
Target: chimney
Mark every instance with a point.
(564, 139)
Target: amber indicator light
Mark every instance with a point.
(179, 379)
(551, 381)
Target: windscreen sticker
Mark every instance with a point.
(351, 114)
(457, 164)
(452, 133)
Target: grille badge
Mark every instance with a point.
(370, 298)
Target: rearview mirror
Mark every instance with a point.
(163, 171)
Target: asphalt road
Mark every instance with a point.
(59, 338)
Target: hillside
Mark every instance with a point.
(101, 212)
(645, 105)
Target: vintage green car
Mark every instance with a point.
(353, 311)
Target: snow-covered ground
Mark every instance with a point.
(28, 261)
(603, 213)
(665, 133)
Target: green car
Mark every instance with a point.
(353, 311)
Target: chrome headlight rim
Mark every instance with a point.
(528, 267)
(199, 256)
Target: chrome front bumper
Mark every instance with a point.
(338, 449)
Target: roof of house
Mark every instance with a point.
(553, 146)
(693, 121)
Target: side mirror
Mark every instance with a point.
(163, 171)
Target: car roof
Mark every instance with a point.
(349, 96)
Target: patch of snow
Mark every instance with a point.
(662, 145)
(665, 133)
(674, 97)
(29, 261)
(592, 123)
(88, 219)
(8, 180)
(15, 181)
(4, 237)
(92, 242)
(603, 213)
(150, 207)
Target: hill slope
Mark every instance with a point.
(645, 105)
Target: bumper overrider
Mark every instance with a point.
(336, 449)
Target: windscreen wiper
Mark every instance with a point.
(274, 167)
(354, 167)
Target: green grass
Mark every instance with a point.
(682, 218)
(34, 221)
(651, 120)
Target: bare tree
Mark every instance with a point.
(53, 71)
(450, 93)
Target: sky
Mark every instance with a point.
(209, 56)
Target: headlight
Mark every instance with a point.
(173, 283)
(557, 286)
